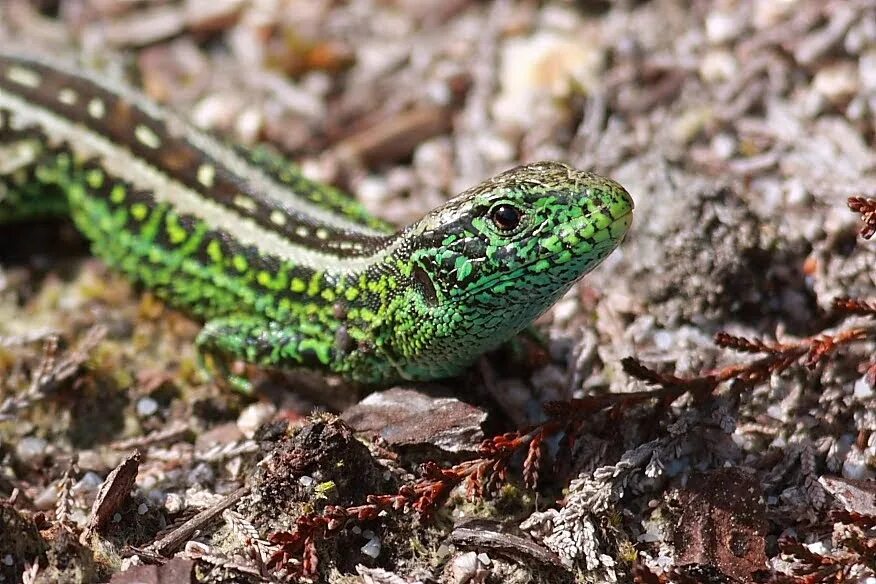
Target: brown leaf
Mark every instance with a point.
(866, 208)
(113, 492)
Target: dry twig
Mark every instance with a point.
(52, 372)
(866, 208)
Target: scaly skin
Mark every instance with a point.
(284, 271)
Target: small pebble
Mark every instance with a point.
(718, 65)
(465, 567)
(542, 67)
(724, 145)
(770, 12)
(31, 450)
(856, 465)
(373, 190)
(88, 484)
(146, 407)
(202, 474)
(372, 548)
(317, 83)
(142, 509)
(722, 27)
(46, 498)
(249, 124)
(817, 547)
(837, 81)
(155, 497)
(433, 163)
(663, 340)
(211, 15)
(496, 149)
(565, 309)
(215, 111)
(691, 122)
(234, 466)
(867, 70)
(863, 389)
(401, 179)
(128, 563)
(796, 193)
(253, 416)
(174, 503)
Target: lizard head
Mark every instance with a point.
(495, 257)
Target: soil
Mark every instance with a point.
(698, 409)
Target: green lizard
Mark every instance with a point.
(284, 271)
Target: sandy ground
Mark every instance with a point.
(741, 128)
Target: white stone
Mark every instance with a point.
(722, 27)
(253, 416)
(174, 503)
(867, 70)
(836, 81)
(770, 12)
(146, 406)
(372, 548)
(718, 65)
(863, 389)
(855, 466)
(544, 65)
(88, 484)
(30, 449)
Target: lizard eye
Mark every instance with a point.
(505, 217)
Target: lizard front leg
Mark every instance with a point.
(263, 342)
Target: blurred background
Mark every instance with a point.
(740, 127)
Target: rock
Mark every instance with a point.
(253, 416)
(32, 450)
(856, 496)
(547, 65)
(405, 417)
(466, 568)
(722, 523)
(175, 571)
(837, 81)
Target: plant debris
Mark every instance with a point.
(701, 408)
(112, 493)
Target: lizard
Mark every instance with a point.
(285, 271)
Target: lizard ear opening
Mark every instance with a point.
(425, 285)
